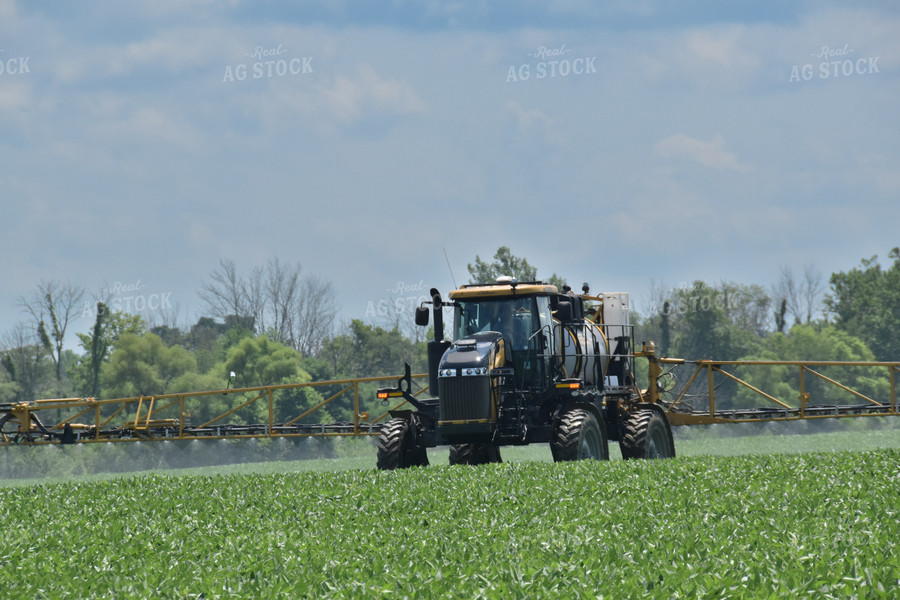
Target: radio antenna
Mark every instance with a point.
(449, 267)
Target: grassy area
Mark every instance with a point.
(816, 525)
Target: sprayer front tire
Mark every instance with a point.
(647, 435)
(397, 448)
(579, 435)
(474, 454)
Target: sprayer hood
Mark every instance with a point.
(479, 350)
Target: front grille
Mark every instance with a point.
(464, 398)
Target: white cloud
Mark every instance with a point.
(711, 58)
(709, 154)
(7, 10)
(173, 51)
(16, 95)
(722, 47)
(182, 7)
(528, 118)
(533, 120)
(350, 98)
(201, 235)
(151, 123)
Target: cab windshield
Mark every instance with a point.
(514, 318)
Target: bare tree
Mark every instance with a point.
(281, 291)
(316, 312)
(803, 298)
(255, 299)
(170, 318)
(658, 294)
(398, 313)
(225, 293)
(811, 292)
(294, 310)
(786, 291)
(52, 307)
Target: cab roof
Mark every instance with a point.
(496, 290)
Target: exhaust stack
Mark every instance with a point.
(438, 345)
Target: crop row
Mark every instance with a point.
(816, 525)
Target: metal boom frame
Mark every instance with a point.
(167, 416)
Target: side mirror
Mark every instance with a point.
(564, 311)
(422, 316)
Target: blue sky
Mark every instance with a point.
(677, 149)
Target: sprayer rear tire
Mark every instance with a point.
(396, 447)
(647, 435)
(474, 454)
(579, 435)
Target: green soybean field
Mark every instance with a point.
(821, 524)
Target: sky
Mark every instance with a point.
(384, 146)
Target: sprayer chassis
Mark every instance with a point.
(524, 416)
(528, 365)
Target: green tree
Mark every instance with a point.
(365, 350)
(865, 302)
(259, 361)
(665, 333)
(780, 316)
(209, 340)
(144, 365)
(9, 389)
(378, 351)
(719, 323)
(28, 364)
(505, 263)
(108, 327)
(337, 352)
(813, 342)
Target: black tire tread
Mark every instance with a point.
(474, 454)
(391, 444)
(636, 432)
(565, 444)
(396, 449)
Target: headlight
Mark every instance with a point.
(475, 371)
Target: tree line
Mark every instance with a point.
(273, 324)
